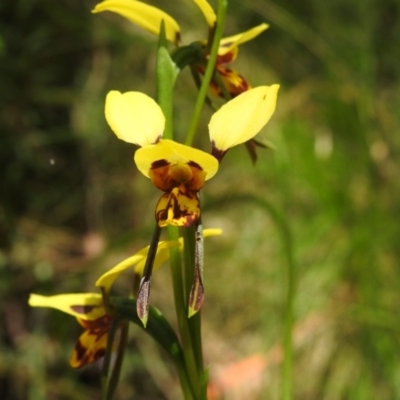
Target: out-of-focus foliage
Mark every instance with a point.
(72, 203)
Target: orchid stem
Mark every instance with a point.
(221, 13)
(115, 374)
(107, 358)
(181, 313)
(166, 74)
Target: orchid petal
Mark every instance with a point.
(208, 12)
(228, 44)
(161, 256)
(169, 150)
(106, 280)
(178, 208)
(144, 15)
(91, 345)
(212, 232)
(234, 83)
(88, 306)
(243, 117)
(134, 117)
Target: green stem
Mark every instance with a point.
(115, 374)
(166, 74)
(185, 383)
(221, 13)
(181, 312)
(107, 358)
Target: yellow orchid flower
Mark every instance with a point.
(89, 310)
(144, 15)
(149, 18)
(178, 170)
(227, 52)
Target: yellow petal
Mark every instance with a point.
(163, 250)
(243, 117)
(171, 151)
(208, 12)
(161, 256)
(227, 58)
(212, 232)
(88, 349)
(141, 14)
(134, 117)
(106, 280)
(227, 44)
(178, 208)
(87, 306)
(234, 83)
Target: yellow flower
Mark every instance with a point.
(89, 310)
(178, 170)
(233, 82)
(147, 17)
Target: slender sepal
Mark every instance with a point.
(196, 296)
(143, 297)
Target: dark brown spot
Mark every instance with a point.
(218, 154)
(98, 354)
(177, 37)
(159, 164)
(194, 165)
(186, 216)
(80, 351)
(226, 58)
(82, 309)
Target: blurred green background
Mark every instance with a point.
(73, 203)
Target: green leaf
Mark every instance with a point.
(161, 331)
(157, 326)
